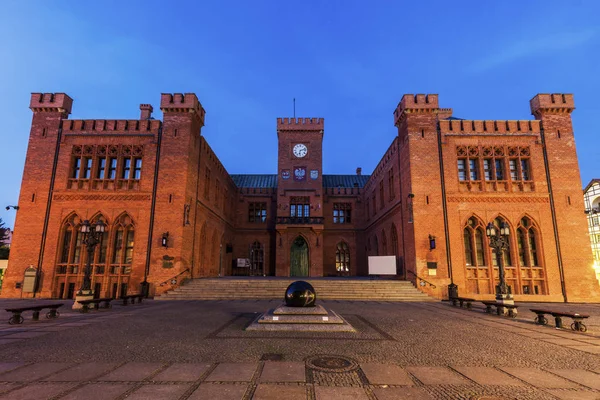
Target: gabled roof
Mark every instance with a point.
(589, 185)
(255, 181)
(344, 181)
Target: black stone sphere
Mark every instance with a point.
(300, 294)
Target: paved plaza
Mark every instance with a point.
(199, 350)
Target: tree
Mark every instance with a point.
(4, 232)
(4, 249)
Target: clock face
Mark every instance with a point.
(300, 150)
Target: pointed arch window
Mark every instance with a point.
(394, 240)
(383, 244)
(101, 251)
(507, 253)
(342, 258)
(527, 240)
(71, 245)
(376, 246)
(123, 242)
(473, 237)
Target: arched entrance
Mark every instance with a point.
(299, 257)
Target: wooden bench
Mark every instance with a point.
(17, 318)
(462, 300)
(132, 297)
(577, 324)
(499, 307)
(95, 302)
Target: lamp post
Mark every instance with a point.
(92, 236)
(499, 242)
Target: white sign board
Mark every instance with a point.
(243, 263)
(382, 265)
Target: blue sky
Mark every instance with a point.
(347, 61)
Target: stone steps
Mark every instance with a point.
(327, 289)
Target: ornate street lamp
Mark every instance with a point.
(499, 242)
(92, 236)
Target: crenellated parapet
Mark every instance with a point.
(91, 126)
(300, 124)
(51, 102)
(556, 103)
(416, 103)
(182, 103)
(489, 127)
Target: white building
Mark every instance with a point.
(591, 197)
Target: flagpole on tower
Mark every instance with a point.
(294, 108)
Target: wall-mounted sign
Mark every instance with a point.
(299, 173)
(285, 174)
(314, 174)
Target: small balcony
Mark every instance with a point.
(300, 220)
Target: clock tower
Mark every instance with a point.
(299, 222)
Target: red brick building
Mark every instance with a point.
(173, 211)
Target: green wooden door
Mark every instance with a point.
(299, 257)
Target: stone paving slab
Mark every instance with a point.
(159, 392)
(405, 393)
(82, 372)
(277, 371)
(182, 372)
(386, 374)
(583, 377)
(563, 342)
(233, 372)
(24, 335)
(5, 386)
(133, 371)
(5, 367)
(587, 348)
(339, 393)
(488, 376)
(222, 392)
(33, 372)
(279, 392)
(98, 391)
(436, 376)
(539, 378)
(563, 394)
(38, 391)
(7, 341)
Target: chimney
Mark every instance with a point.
(359, 171)
(146, 111)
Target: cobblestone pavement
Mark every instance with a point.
(199, 350)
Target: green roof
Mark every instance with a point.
(270, 181)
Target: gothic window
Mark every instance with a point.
(257, 212)
(71, 246)
(381, 198)
(391, 183)
(206, 183)
(299, 207)
(123, 242)
(383, 244)
(507, 253)
(527, 239)
(394, 240)
(376, 246)
(493, 161)
(342, 213)
(473, 237)
(97, 166)
(342, 257)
